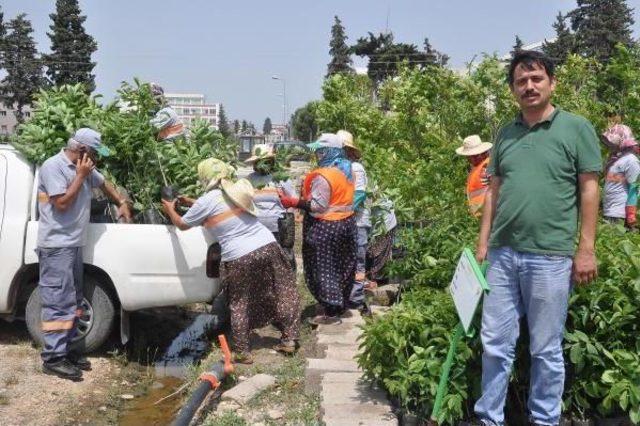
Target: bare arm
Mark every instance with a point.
(584, 262)
(113, 194)
(169, 208)
(488, 212)
(83, 169)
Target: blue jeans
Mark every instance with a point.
(537, 286)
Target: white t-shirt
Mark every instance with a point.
(363, 215)
(266, 198)
(238, 232)
(620, 175)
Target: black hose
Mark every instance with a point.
(189, 409)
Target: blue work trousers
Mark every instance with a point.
(60, 285)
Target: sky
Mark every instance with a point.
(229, 50)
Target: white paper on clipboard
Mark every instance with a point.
(467, 287)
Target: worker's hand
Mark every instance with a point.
(585, 269)
(481, 253)
(288, 202)
(125, 211)
(630, 217)
(169, 206)
(84, 166)
(186, 201)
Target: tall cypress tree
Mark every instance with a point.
(3, 34)
(433, 56)
(599, 25)
(236, 127)
(71, 47)
(24, 70)
(267, 126)
(564, 44)
(223, 123)
(517, 46)
(339, 51)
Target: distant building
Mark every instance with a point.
(190, 106)
(278, 134)
(8, 121)
(537, 46)
(246, 142)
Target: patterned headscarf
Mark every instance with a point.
(211, 171)
(329, 157)
(619, 139)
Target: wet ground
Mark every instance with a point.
(128, 385)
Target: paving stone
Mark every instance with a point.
(384, 295)
(348, 338)
(358, 414)
(329, 365)
(359, 392)
(346, 353)
(245, 391)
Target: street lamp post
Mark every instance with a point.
(284, 103)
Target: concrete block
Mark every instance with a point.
(245, 391)
(358, 415)
(348, 338)
(332, 365)
(356, 392)
(340, 352)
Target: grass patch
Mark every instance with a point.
(228, 418)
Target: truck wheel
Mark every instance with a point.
(95, 325)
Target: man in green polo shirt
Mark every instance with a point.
(544, 180)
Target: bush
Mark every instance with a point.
(125, 129)
(408, 133)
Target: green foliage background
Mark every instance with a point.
(126, 130)
(408, 132)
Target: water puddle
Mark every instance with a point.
(146, 410)
(170, 369)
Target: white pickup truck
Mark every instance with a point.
(127, 266)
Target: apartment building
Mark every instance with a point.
(190, 106)
(8, 120)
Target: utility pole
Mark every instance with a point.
(284, 103)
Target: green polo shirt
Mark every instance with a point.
(537, 210)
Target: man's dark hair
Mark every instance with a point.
(529, 58)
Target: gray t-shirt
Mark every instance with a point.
(63, 228)
(238, 232)
(620, 175)
(266, 198)
(363, 215)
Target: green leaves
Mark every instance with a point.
(408, 134)
(126, 130)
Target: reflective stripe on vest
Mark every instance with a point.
(171, 131)
(342, 191)
(476, 190)
(43, 197)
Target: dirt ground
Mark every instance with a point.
(27, 396)
(120, 377)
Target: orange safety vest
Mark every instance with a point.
(342, 191)
(476, 190)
